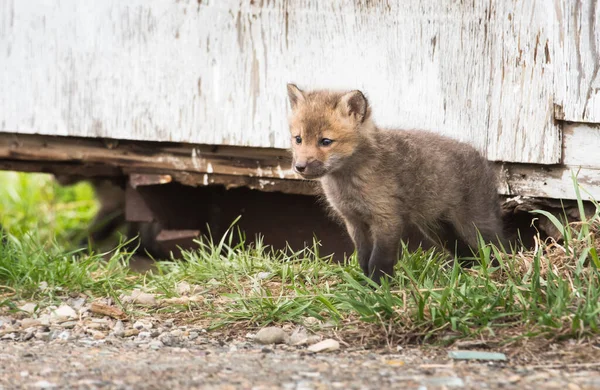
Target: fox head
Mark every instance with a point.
(326, 128)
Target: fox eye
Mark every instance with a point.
(298, 139)
(326, 142)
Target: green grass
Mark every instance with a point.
(552, 292)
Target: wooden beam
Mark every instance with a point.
(256, 168)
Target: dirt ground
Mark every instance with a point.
(208, 362)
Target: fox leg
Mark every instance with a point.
(386, 240)
(361, 236)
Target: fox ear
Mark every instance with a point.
(354, 104)
(295, 94)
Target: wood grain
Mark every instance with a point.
(256, 168)
(215, 72)
(577, 62)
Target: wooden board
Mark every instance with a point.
(581, 145)
(577, 61)
(256, 168)
(214, 72)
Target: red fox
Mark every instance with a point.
(387, 184)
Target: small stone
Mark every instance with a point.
(193, 335)
(263, 275)
(77, 303)
(44, 336)
(97, 325)
(573, 386)
(450, 381)
(168, 339)
(183, 288)
(311, 321)
(9, 336)
(476, 355)
(144, 335)
(156, 344)
(141, 298)
(119, 329)
(28, 334)
(325, 346)
(29, 307)
(130, 332)
(142, 325)
(169, 323)
(44, 385)
(64, 335)
(97, 335)
(44, 319)
(29, 323)
(313, 339)
(299, 337)
(271, 335)
(64, 311)
(68, 324)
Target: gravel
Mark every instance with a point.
(90, 351)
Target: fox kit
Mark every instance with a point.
(387, 184)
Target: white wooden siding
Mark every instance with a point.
(214, 72)
(577, 75)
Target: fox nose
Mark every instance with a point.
(300, 167)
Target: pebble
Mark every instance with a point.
(68, 324)
(183, 288)
(131, 332)
(325, 346)
(97, 335)
(65, 311)
(64, 335)
(271, 335)
(97, 326)
(144, 335)
(29, 307)
(141, 298)
(28, 335)
(298, 337)
(44, 336)
(119, 329)
(168, 339)
(142, 325)
(450, 381)
(77, 303)
(44, 385)
(29, 323)
(156, 344)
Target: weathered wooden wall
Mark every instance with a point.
(577, 62)
(214, 72)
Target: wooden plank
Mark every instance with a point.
(235, 167)
(581, 145)
(577, 62)
(139, 155)
(522, 80)
(548, 182)
(215, 72)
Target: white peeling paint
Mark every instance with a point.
(215, 72)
